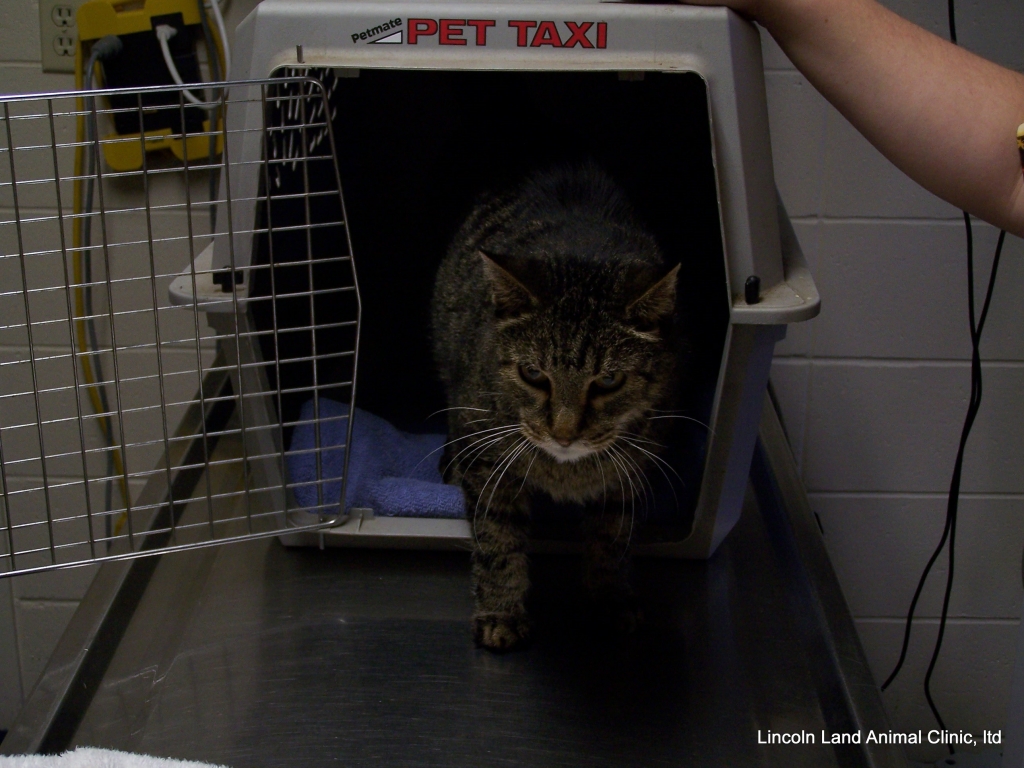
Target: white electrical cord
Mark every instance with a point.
(165, 32)
(218, 17)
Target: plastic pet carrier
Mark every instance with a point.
(433, 104)
(300, 316)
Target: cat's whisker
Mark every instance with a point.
(604, 484)
(456, 408)
(629, 435)
(622, 488)
(502, 457)
(521, 446)
(632, 493)
(632, 512)
(632, 441)
(601, 442)
(658, 462)
(505, 457)
(642, 479)
(479, 432)
(483, 449)
(476, 508)
(668, 480)
(532, 459)
(628, 469)
(464, 437)
(687, 418)
(489, 440)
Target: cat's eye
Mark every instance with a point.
(531, 374)
(609, 382)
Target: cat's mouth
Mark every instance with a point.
(565, 454)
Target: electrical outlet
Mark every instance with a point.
(58, 35)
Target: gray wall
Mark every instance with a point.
(874, 392)
(35, 609)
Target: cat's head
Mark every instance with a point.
(584, 347)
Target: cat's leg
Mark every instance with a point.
(501, 576)
(606, 559)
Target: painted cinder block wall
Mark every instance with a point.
(873, 392)
(35, 609)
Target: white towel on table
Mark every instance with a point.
(88, 757)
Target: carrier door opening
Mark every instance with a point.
(416, 149)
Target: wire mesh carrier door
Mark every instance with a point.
(147, 397)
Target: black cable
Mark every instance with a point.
(952, 503)
(954, 491)
(974, 403)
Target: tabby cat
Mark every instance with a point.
(554, 334)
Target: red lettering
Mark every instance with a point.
(481, 29)
(451, 32)
(418, 27)
(521, 28)
(578, 34)
(602, 34)
(547, 34)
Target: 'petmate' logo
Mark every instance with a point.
(392, 34)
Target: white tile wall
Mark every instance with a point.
(797, 144)
(897, 290)
(882, 542)
(878, 425)
(35, 609)
(874, 392)
(858, 181)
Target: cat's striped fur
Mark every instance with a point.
(554, 334)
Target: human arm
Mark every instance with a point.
(945, 117)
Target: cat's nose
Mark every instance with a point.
(564, 424)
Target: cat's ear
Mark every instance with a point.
(656, 305)
(511, 297)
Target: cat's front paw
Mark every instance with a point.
(500, 631)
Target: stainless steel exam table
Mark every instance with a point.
(257, 655)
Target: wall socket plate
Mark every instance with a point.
(58, 34)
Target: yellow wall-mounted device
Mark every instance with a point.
(141, 63)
